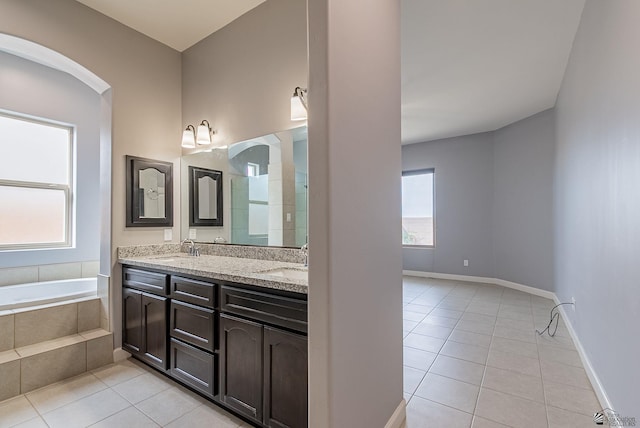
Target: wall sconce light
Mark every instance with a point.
(203, 136)
(299, 104)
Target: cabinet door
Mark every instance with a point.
(132, 320)
(154, 331)
(285, 379)
(241, 365)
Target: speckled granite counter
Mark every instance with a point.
(233, 269)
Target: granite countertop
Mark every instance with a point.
(233, 269)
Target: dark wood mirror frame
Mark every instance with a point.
(196, 173)
(134, 216)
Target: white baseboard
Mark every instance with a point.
(484, 280)
(603, 398)
(598, 388)
(399, 416)
(449, 276)
(525, 288)
(120, 354)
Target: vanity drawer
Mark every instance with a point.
(193, 325)
(192, 291)
(153, 282)
(193, 367)
(277, 310)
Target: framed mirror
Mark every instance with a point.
(149, 193)
(205, 197)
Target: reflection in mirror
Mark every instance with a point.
(205, 197)
(265, 196)
(151, 185)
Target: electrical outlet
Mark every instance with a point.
(193, 233)
(465, 263)
(573, 301)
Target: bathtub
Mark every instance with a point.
(41, 293)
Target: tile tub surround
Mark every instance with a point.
(232, 269)
(49, 343)
(289, 255)
(50, 272)
(472, 358)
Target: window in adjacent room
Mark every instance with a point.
(36, 161)
(417, 208)
(253, 169)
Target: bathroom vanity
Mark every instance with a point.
(232, 329)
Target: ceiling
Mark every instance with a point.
(178, 24)
(468, 66)
(471, 66)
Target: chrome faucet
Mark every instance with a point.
(305, 252)
(193, 250)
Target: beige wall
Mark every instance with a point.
(145, 79)
(241, 78)
(355, 260)
(144, 76)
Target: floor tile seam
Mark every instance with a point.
(470, 344)
(417, 368)
(68, 379)
(182, 415)
(433, 337)
(544, 391)
(511, 370)
(572, 386)
(446, 405)
(546, 360)
(544, 403)
(484, 373)
(518, 340)
(113, 414)
(453, 378)
(72, 402)
(134, 404)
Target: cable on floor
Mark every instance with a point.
(554, 316)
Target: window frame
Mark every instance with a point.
(68, 188)
(423, 171)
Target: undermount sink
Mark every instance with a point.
(169, 258)
(288, 273)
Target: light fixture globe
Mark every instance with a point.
(203, 136)
(298, 104)
(189, 138)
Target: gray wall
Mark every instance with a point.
(597, 215)
(494, 203)
(523, 201)
(241, 77)
(463, 204)
(30, 88)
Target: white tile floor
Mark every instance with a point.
(472, 359)
(126, 394)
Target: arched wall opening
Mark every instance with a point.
(32, 56)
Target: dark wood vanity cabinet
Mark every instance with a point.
(263, 369)
(193, 331)
(144, 317)
(243, 347)
(285, 379)
(241, 365)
